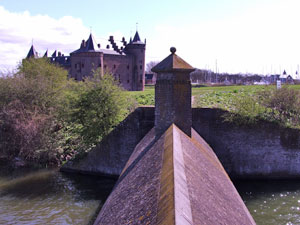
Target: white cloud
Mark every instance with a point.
(262, 39)
(18, 29)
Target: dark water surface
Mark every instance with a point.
(50, 197)
(272, 201)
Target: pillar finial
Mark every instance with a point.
(173, 50)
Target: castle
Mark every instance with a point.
(125, 63)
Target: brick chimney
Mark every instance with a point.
(173, 94)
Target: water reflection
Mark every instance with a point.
(272, 201)
(50, 197)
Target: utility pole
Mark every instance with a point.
(216, 71)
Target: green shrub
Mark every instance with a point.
(284, 105)
(27, 115)
(100, 106)
(36, 68)
(47, 119)
(281, 106)
(246, 110)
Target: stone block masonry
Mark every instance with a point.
(262, 151)
(109, 157)
(173, 94)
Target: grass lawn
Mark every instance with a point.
(145, 97)
(246, 104)
(209, 97)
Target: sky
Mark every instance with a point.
(234, 36)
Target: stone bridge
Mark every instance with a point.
(168, 174)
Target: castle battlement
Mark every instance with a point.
(126, 63)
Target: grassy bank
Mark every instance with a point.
(204, 96)
(245, 104)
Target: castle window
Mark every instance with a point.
(75, 66)
(82, 65)
(114, 66)
(128, 67)
(141, 81)
(141, 67)
(99, 64)
(127, 81)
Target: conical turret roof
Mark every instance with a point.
(136, 37)
(88, 46)
(46, 54)
(32, 53)
(91, 44)
(54, 54)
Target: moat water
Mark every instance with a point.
(51, 197)
(272, 202)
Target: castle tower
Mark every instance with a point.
(137, 49)
(173, 94)
(86, 59)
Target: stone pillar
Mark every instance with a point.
(173, 94)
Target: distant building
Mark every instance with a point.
(289, 79)
(126, 64)
(150, 78)
(286, 79)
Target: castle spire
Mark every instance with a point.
(136, 37)
(32, 52)
(46, 54)
(91, 43)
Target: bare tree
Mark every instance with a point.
(150, 65)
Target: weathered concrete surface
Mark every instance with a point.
(263, 151)
(109, 157)
(174, 179)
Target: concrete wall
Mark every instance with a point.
(262, 151)
(109, 157)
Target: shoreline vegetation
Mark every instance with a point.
(245, 105)
(47, 119)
